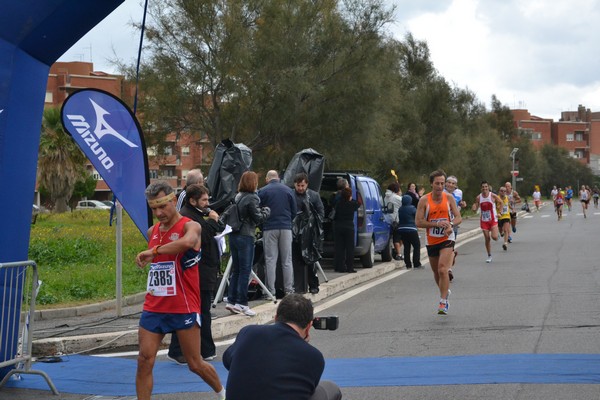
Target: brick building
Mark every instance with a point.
(184, 152)
(577, 131)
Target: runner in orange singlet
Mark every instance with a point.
(434, 213)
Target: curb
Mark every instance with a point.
(55, 313)
(222, 328)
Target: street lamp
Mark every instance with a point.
(513, 172)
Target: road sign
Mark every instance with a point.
(514, 173)
(519, 179)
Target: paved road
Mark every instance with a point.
(540, 297)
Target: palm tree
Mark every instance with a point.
(60, 162)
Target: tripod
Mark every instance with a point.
(225, 282)
(318, 265)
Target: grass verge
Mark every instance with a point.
(76, 257)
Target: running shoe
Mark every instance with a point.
(179, 360)
(514, 229)
(245, 310)
(450, 275)
(233, 308)
(509, 239)
(443, 308)
(489, 259)
(504, 247)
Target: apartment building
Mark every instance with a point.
(577, 131)
(184, 151)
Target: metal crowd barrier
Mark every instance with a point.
(17, 307)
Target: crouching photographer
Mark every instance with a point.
(276, 362)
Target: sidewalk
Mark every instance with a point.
(97, 328)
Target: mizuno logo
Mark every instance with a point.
(188, 321)
(102, 129)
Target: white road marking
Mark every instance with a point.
(321, 307)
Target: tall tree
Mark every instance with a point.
(274, 75)
(60, 162)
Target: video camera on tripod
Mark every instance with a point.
(326, 323)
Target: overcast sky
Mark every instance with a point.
(534, 54)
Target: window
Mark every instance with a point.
(536, 136)
(168, 151)
(579, 154)
(570, 137)
(153, 174)
(49, 97)
(579, 136)
(185, 150)
(184, 173)
(151, 151)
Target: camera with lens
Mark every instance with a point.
(326, 323)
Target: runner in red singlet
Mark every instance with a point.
(489, 203)
(173, 299)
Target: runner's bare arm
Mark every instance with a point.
(190, 240)
(420, 219)
(516, 197)
(455, 211)
(475, 204)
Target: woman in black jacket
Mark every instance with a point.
(241, 243)
(195, 206)
(343, 231)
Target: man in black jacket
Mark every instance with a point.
(309, 209)
(276, 361)
(196, 208)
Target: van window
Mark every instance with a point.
(376, 194)
(372, 195)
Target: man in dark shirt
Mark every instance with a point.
(275, 361)
(311, 211)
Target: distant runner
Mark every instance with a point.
(504, 217)
(488, 202)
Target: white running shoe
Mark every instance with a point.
(246, 310)
(489, 259)
(234, 309)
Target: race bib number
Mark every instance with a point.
(504, 209)
(486, 215)
(437, 231)
(162, 279)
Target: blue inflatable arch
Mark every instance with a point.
(33, 35)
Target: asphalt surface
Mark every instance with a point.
(79, 330)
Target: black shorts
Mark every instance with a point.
(503, 221)
(396, 236)
(434, 249)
